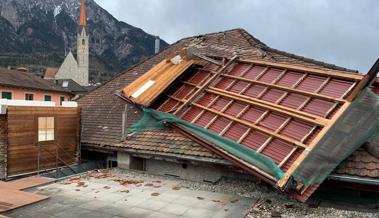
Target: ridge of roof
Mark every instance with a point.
(255, 42)
(251, 39)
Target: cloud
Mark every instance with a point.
(344, 33)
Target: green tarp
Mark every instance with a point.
(153, 119)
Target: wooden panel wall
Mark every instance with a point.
(23, 145)
(3, 145)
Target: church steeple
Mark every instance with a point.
(83, 17)
(83, 47)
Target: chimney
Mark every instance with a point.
(157, 44)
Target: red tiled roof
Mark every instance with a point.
(360, 163)
(166, 141)
(171, 142)
(50, 72)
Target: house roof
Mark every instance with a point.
(51, 72)
(102, 109)
(19, 79)
(360, 163)
(70, 85)
(171, 142)
(165, 141)
(279, 111)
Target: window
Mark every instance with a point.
(47, 98)
(83, 42)
(65, 84)
(29, 97)
(6, 95)
(45, 129)
(62, 100)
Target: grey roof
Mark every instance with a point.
(71, 85)
(19, 79)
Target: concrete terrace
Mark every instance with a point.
(108, 195)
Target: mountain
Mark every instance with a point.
(38, 33)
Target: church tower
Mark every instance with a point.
(83, 47)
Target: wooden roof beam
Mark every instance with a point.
(206, 84)
(367, 80)
(319, 121)
(253, 126)
(292, 90)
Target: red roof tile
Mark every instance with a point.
(360, 163)
(166, 141)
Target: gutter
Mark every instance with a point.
(354, 179)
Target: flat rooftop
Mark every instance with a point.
(121, 193)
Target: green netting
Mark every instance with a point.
(357, 125)
(153, 119)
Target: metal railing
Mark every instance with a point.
(60, 157)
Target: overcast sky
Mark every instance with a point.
(342, 32)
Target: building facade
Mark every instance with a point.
(17, 85)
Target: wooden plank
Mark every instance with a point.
(270, 106)
(22, 152)
(16, 198)
(206, 84)
(254, 126)
(291, 90)
(162, 74)
(367, 80)
(283, 181)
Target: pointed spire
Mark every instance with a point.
(83, 17)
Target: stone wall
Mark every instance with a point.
(3, 140)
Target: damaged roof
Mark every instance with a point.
(285, 117)
(283, 112)
(165, 141)
(102, 110)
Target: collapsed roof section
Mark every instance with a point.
(148, 87)
(277, 111)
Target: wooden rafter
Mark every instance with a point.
(292, 90)
(367, 80)
(206, 84)
(251, 125)
(270, 106)
(283, 181)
